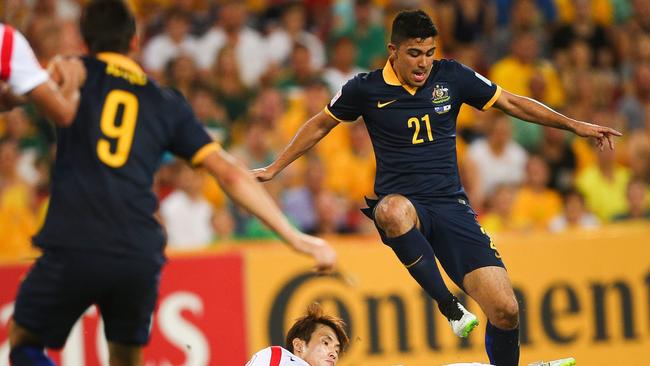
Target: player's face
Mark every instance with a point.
(412, 60)
(323, 347)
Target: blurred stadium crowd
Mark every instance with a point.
(255, 70)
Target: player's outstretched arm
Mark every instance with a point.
(59, 102)
(242, 188)
(533, 111)
(307, 136)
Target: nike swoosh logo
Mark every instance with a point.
(382, 105)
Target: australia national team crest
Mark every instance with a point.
(441, 99)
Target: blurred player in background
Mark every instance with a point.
(101, 243)
(316, 339)
(410, 108)
(22, 79)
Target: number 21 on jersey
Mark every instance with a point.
(121, 131)
(414, 122)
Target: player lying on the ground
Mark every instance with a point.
(316, 339)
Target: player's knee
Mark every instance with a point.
(506, 314)
(395, 214)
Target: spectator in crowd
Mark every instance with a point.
(17, 214)
(229, 88)
(555, 149)
(639, 154)
(330, 214)
(30, 145)
(583, 27)
(268, 109)
(299, 203)
(298, 74)
(181, 74)
(523, 16)
(498, 216)
(636, 201)
(547, 11)
(342, 67)
(231, 30)
(316, 93)
(367, 34)
(524, 62)
(211, 113)
(174, 42)
(500, 160)
(535, 204)
(464, 23)
(186, 214)
(575, 215)
(223, 224)
(291, 31)
(635, 104)
(603, 185)
(201, 16)
(627, 34)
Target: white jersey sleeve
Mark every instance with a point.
(18, 65)
(275, 356)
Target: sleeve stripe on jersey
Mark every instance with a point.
(7, 50)
(205, 151)
(327, 110)
(276, 356)
(494, 98)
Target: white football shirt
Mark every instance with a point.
(18, 65)
(275, 356)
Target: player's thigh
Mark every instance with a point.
(459, 242)
(53, 295)
(128, 307)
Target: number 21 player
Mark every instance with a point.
(410, 108)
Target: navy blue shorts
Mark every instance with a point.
(458, 240)
(62, 284)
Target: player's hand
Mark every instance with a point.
(263, 174)
(67, 71)
(602, 134)
(319, 249)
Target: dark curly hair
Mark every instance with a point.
(410, 24)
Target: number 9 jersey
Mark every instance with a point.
(101, 191)
(413, 130)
